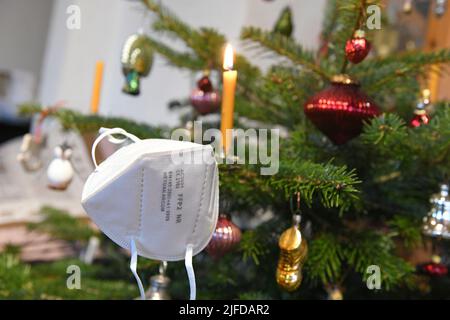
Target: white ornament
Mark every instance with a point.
(60, 171)
(30, 153)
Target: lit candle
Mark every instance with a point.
(229, 87)
(95, 99)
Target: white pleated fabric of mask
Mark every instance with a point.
(157, 198)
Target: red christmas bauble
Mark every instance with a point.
(340, 110)
(205, 84)
(420, 118)
(205, 99)
(205, 102)
(435, 269)
(357, 48)
(226, 236)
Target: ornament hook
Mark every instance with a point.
(295, 210)
(163, 268)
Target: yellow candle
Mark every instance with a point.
(229, 87)
(95, 99)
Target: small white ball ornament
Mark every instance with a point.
(60, 171)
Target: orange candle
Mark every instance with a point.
(96, 89)
(229, 87)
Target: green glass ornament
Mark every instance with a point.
(284, 23)
(137, 60)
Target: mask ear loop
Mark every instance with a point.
(133, 268)
(190, 271)
(108, 132)
(111, 138)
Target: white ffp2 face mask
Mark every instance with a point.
(157, 198)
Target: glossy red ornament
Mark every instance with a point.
(435, 269)
(420, 114)
(357, 48)
(205, 84)
(204, 98)
(419, 119)
(340, 110)
(226, 236)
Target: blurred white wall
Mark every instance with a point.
(71, 54)
(23, 34)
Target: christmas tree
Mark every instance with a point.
(362, 195)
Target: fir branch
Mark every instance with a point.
(410, 58)
(347, 13)
(169, 22)
(432, 142)
(92, 123)
(324, 263)
(379, 74)
(275, 98)
(98, 282)
(206, 43)
(16, 281)
(285, 47)
(358, 22)
(252, 246)
(62, 225)
(388, 130)
(369, 248)
(424, 147)
(335, 186)
(246, 181)
(181, 60)
(329, 21)
(407, 228)
(350, 16)
(258, 295)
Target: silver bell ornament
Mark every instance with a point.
(440, 7)
(60, 171)
(437, 222)
(159, 285)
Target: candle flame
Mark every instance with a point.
(228, 57)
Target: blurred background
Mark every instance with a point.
(54, 63)
(43, 60)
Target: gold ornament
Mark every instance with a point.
(334, 293)
(293, 254)
(137, 59)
